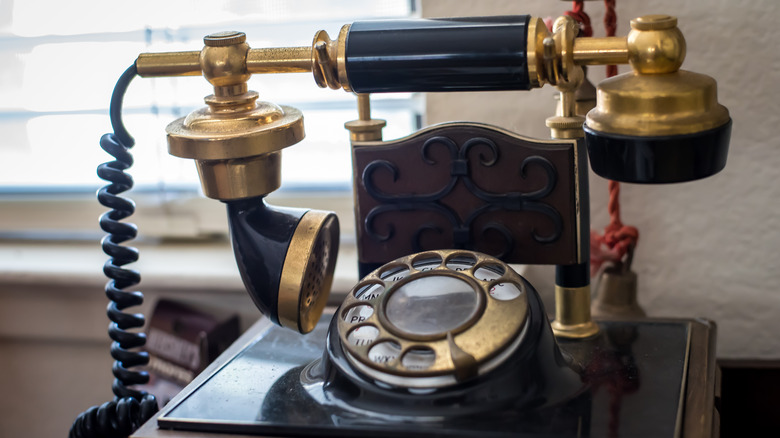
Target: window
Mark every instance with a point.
(61, 65)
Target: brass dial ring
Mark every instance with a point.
(307, 273)
(433, 319)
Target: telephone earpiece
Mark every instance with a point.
(657, 124)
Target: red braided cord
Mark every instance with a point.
(616, 235)
(617, 238)
(578, 14)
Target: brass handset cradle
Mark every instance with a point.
(656, 115)
(235, 140)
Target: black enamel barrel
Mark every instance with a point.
(449, 54)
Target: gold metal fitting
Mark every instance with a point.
(655, 45)
(223, 62)
(600, 51)
(675, 103)
(584, 98)
(537, 32)
(308, 270)
(657, 99)
(365, 128)
(329, 60)
(567, 78)
(555, 64)
(572, 313)
(551, 55)
(566, 127)
(224, 39)
(616, 295)
(561, 70)
(240, 178)
(235, 140)
(325, 58)
(236, 145)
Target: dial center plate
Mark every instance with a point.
(431, 305)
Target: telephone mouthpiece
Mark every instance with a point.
(286, 257)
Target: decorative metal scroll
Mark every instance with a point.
(468, 186)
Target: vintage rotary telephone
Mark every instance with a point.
(440, 337)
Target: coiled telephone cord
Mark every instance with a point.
(130, 407)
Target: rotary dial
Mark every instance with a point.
(433, 319)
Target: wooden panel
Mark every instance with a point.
(470, 186)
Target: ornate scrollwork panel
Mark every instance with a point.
(469, 186)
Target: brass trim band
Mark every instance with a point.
(214, 135)
(537, 32)
(240, 178)
(365, 128)
(307, 274)
(341, 58)
(237, 152)
(572, 313)
(676, 103)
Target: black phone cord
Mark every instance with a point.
(130, 407)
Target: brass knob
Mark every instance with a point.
(222, 39)
(223, 62)
(655, 45)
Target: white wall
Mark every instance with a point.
(707, 248)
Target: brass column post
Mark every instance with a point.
(572, 288)
(365, 128)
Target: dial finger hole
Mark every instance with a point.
(490, 271)
(369, 291)
(505, 291)
(384, 352)
(418, 358)
(427, 262)
(394, 273)
(363, 335)
(358, 314)
(461, 262)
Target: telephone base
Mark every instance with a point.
(644, 378)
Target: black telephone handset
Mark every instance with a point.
(444, 340)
